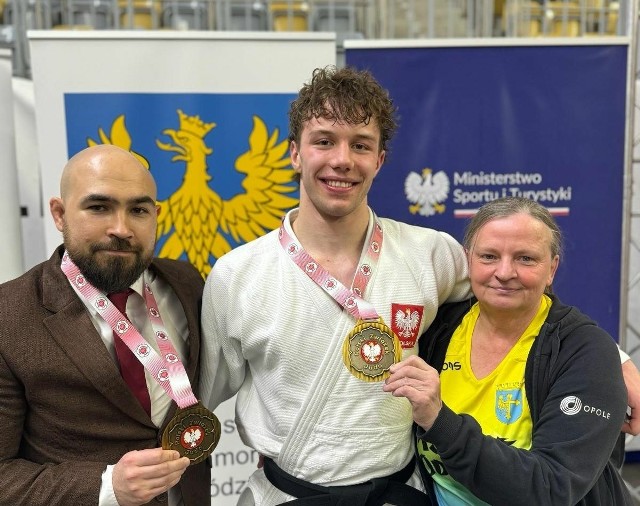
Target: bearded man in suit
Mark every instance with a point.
(71, 429)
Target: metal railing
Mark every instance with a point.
(370, 19)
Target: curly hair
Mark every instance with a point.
(346, 95)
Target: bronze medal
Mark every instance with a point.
(370, 349)
(194, 432)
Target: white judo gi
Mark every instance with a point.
(274, 337)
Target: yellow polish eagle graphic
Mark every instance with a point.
(195, 219)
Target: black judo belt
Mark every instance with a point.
(390, 489)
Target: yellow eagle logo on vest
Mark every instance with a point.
(194, 216)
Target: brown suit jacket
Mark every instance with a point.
(65, 411)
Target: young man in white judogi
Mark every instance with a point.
(304, 322)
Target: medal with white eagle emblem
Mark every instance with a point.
(193, 432)
(370, 349)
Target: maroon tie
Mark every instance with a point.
(130, 367)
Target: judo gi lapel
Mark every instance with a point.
(330, 325)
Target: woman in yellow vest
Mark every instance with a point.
(530, 399)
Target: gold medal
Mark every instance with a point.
(194, 432)
(370, 349)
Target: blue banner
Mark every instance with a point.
(543, 122)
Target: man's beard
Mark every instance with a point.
(112, 274)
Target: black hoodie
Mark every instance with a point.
(574, 459)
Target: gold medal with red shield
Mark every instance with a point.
(194, 432)
(370, 349)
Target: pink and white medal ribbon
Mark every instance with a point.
(371, 347)
(350, 299)
(194, 431)
(166, 368)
